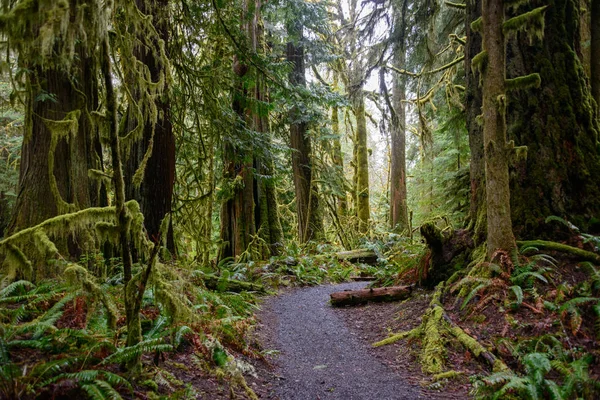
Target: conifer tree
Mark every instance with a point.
(494, 28)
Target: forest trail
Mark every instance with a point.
(320, 357)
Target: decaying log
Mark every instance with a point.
(353, 297)
(450, 251)
(364, 256)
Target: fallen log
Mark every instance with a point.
(364, 256)
(353, 297)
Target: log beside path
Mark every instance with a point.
(364, 256)
(354, 297)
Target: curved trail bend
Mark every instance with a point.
(320, 358)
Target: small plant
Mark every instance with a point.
(575, 381)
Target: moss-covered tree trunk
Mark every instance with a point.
(251, 206)
(237, 211)
(310, 223)
(398, 206)
(363, 210)
(55, 181)
(338, 161)
(473, 102)
(595, 51)
(499, 227)
(557, 124)
(155, 192)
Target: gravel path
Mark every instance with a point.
(320, 358)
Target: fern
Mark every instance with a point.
(571, 308)
(518, 291)
(125, 354)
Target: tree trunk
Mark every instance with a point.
(252, 204)
(53, 182)
(477, 218)
(363, 210)
(398, 207)
(338, 162)
(237, 212)
(354, 297)
(595, 52)
(499, 230)
(557, 124)
(310, 225)
(155, 193)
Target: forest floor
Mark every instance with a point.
(326, 352)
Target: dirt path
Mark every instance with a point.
(320, 357)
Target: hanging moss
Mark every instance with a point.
(64, 129)
(44, 245)
(458, 6)
(477, 25)
(174, 304)
(15, 263)
(532, 23)
(524, 82)
(78, 275)
(479, 62)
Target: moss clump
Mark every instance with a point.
(447, 375)
(531, 22)
(477, 25)
(524, 82)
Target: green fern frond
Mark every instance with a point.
(107, 390)
(536, 362)
(133, 352)
(521, 278)
(518, 291)
(179, 335)
(474, 292)
(20, 286)
(564, 222)
(93, 391)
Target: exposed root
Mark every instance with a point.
(435, 330)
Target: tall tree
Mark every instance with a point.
(557, 124)
(497, 149)
(310, 224)
(356, 72)
(251, 205)
(595, 51)
(152, 155)
(473, 102)
(60, 143)
(499, 232)
(398, 206)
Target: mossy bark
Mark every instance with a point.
(237, 211)
(557, 124)
(52, 95)
(251, 208)
(499, 226)
(398, 196)
(477, 218)
(155, 193)
(338, 161)
(363, 210)
(595, 51)
(310, 223)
